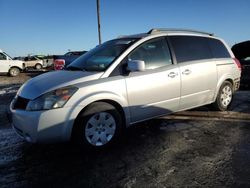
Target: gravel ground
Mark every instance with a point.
(172, 152)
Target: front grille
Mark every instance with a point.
(20, 103)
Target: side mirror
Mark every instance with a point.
(136, 65)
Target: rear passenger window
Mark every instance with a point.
(155, 53)
(190, 48)
(218, 49)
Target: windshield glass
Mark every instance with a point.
(101, 56)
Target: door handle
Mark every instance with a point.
(172, 74)
(186, 72)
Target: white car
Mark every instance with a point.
(10, 66)
(33, 62)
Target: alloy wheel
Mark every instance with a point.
(226, 96)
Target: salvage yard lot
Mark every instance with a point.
(191, 148)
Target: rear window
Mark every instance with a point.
(190, 48)
(218, 49)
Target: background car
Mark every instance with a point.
(242, 52)
(60, 61)
(19, 58)
(33, 62)
(10, 66)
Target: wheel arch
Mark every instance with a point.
(230, 80)
(39, 64)
(223, 99)
(220, 82)
(114, 103)
(15, 67)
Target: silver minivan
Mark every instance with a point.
(125, 81)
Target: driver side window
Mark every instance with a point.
(3, 57)
(155, 53)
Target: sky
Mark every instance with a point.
(56, 26)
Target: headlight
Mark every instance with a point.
(51, 100)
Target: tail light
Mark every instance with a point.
(237, 62)
(59, 64)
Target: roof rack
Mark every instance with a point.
(162, 30)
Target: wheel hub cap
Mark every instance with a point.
(14, 72)
(100, 129)
(226, 96)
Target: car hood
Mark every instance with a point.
(241, 50)
(54, 80)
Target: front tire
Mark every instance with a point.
(99, 126)
(14, 71)
(224, 97)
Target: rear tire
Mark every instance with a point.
(224, 97)
(99, 126)
(14, 71)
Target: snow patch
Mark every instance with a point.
(9, 90)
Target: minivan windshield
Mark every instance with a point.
(102, 56)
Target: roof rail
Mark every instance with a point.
(162, 30)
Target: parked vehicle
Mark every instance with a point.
(34, 62)
(10, 66)
(125, 81)
(242, 52)
(18, 58)
(47, 61)
(60, 61)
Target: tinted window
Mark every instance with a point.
(190, 48)
(218, 49)
(155, 53)
(2, 57)
(29, 58)
(77, 53)
(68, 54)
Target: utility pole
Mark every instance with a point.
(98, 19)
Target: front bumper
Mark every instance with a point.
(42, 126)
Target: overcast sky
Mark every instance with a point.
(53, 26)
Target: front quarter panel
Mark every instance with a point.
(17, 63)
(111, 88)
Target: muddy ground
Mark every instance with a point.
(197, 148)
